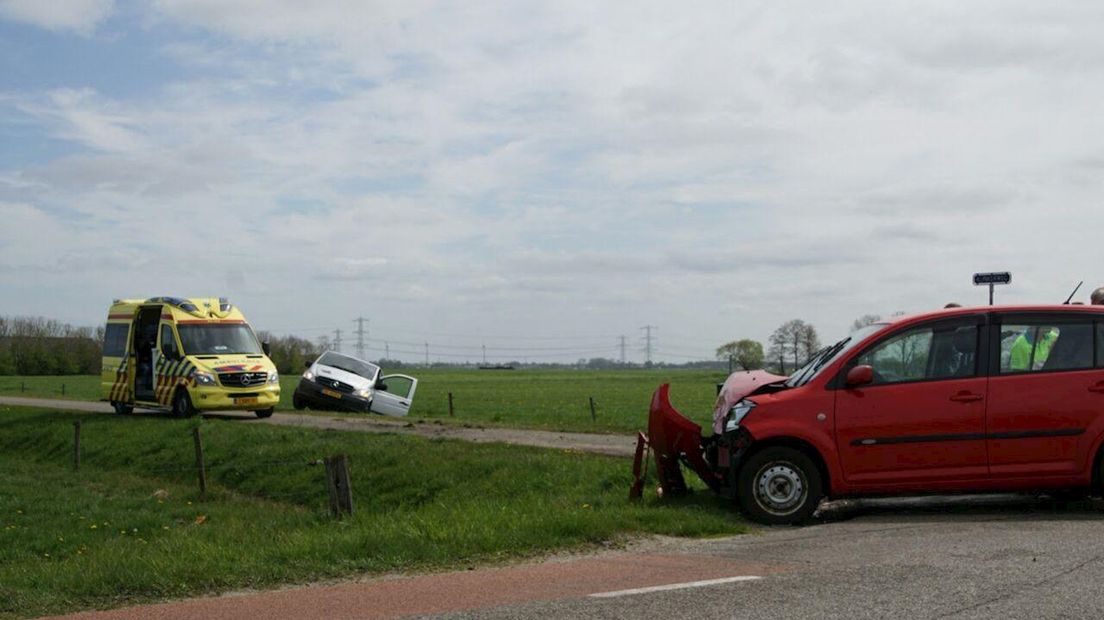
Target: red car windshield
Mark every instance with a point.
(822, 358)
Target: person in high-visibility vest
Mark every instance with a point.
(1031, 349)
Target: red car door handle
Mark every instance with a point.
(966, 397)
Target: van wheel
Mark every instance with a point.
(265, 413)
(122, 408)
(182, 404)
(779, 486)
(298, 403)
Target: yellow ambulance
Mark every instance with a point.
(185, 355)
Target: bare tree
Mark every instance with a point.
(864, 320)
(795, 340)
(809, 341)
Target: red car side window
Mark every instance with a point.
(924, 353)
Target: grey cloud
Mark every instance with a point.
(701, 154)
(913, 231)
(915, 200)
(772, 257)
(352, 269)
(80, 16)
(584, 262)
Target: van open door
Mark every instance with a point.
(393, 395)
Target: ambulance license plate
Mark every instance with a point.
(331, 393)
(252, 400)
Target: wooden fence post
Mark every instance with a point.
(593, 416)
(63, 389)
(344, 487)
(76, 445)
(201, 468)
(450, 404)
(337, 483)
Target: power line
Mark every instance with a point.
(337, 340)
(622, 349)
(476, 356)
(465, 336)
(360, 333)
(702, 358)
(648, 338)
(589, 343)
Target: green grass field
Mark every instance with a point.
(130, 527)
(543, 399)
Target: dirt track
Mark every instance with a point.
(609, 445)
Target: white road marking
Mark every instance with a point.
(676, 586)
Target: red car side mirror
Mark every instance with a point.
(860, 375)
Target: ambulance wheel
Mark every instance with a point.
(779, 486)
(265, 413)
(182, 404)
(122, 408)
(298, 403)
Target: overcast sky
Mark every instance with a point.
(545, 177)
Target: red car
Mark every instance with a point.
(1007, 398)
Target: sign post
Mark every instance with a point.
(992, 279)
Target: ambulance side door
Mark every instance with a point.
(115, 372)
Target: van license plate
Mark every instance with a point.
(331, 393)
(246, 401)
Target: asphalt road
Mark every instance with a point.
(1003, 556)
(970, 557)
(963, 557)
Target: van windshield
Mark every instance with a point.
(218, 339)
(349, 364)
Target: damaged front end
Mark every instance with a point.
(675, 440)
(672, 439)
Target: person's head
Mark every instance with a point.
(953, 305)
(1097, 297)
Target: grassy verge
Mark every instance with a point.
(129, 527)
(541, 399)
(77, 387)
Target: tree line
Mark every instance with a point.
(790, 345)
(290, 353)
(40, 346)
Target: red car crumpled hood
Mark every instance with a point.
(739, 385)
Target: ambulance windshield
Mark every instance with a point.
(218, 339)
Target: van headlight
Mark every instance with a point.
(737, 413)
(204, 378)
(273, 377)
(364, 392)
(308, 375)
